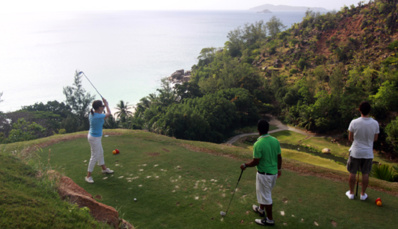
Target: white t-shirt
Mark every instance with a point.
(364, 130)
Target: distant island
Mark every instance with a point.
(269, 8)
(266, 11)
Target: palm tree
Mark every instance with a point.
(123, 112)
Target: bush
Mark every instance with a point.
(392, 133)
(393, 45)
(384, 172)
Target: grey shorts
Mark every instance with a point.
(359, 164)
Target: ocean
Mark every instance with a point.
(125, 54)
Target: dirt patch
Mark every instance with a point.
(166, 150)
(154, 154)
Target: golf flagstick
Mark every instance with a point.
(81, 72)
(225, 213)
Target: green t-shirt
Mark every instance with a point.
(267, 148)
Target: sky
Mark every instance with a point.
(77, 5)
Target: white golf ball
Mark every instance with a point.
(135, 199)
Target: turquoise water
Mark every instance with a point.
(124, 53)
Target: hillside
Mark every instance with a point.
(354, 36)
(319, 70)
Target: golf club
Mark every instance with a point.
(356, 192)
(225, 213)
(90, 83)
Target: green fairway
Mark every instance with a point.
(181, 184)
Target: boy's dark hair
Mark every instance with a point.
(262, 126)
(365, 108)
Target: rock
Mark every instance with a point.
(180, 76)
(75, 194)
(125, 225)
(326, 151)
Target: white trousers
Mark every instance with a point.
(97, 152)
(264, 185)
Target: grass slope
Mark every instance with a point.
(185, 184)
(29, 202)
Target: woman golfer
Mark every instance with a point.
(97, 119)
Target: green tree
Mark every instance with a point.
(78, 100)
(234, 43)
(23, 131)
(206, 56)
(274, 26)
(386, 97)
(50, 115)
(392, 134)
(188, 90)
(111, 123)
(123, 113)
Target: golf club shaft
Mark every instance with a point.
(92, 84)
(234, 192)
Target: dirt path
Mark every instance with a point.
(273, 122)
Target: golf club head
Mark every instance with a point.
(222, 213)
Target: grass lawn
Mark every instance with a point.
(185, 184)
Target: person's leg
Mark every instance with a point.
(365, 182)
(265, 200)
(259, 209)
(101, 160)
(94, 154)
(351, 182)
(366, 168)
(268, 210)
(352, 168)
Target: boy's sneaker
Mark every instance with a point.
(265, 222)
(364, 197)
(349, 195)
(258, 210)
(89, 179)
(108, 171)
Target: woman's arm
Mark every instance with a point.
(108, 111)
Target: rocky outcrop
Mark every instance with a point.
(69, 190)
(180, 76)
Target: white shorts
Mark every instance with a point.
(264, 185)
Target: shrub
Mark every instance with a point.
(384, 172)
(393, 45)
(392, 133)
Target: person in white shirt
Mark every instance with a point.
(362, 132)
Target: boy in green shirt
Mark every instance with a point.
(268, 161)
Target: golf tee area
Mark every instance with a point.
(163, 182)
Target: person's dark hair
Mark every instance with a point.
(96, 104)
(365, 108)
(262, 126)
